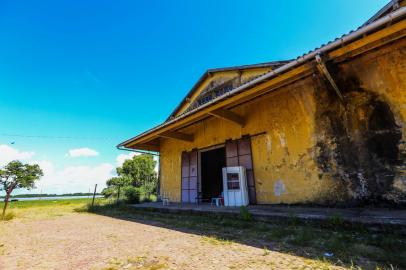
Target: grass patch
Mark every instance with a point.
(336, 220)
(8, 216)
(245, 214)
(346, 246)
(137, 263)
(214, 240)
(266, 251)
(39, 209)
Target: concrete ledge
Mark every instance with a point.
(371, 217)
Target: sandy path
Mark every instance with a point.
(86, 241)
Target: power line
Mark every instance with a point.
(54, 137)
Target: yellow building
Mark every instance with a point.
(328, 127)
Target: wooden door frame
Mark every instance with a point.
(199, 161)
(215, 146)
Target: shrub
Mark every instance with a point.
(132, 194)
(146, 199)
(108, 192)
(245, 214)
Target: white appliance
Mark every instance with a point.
(235, 186)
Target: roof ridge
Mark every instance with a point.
(214, 70)
(257, 65)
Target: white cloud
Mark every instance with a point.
(8, 153)
(64, 179)
(83, 152)
(73, 178)
(122, 157)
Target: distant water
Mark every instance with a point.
(54, 198)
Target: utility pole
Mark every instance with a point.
(94, 194)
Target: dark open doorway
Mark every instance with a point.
(212, 162)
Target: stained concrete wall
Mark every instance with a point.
(316, 149)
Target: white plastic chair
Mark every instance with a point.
(164, 199)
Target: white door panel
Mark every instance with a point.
(235, 186)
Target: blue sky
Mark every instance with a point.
(103, 71)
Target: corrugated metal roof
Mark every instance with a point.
(389, 7)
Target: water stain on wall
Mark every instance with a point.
(358, 141)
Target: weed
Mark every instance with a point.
(9, 216)
(266, 251)
(157, 266)
(335, 244)
(214, 240)
(293, 219)
(303, 236)
(141, 262)
(2, 249)
(100, 207)
(115, 261)
(336, 220)
(137, 260)
(278, 232)
(245, 214)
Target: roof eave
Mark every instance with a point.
(352, 36)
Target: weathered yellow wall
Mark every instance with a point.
(384, 73)
(280, 154)
(287, 154)
(387, 76)
(367, 151)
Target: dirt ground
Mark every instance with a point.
(89, 241)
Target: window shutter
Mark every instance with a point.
(238, 153)
(189, 176)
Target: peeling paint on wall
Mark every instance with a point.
(268, 143)
(279, 188)
(282, 139)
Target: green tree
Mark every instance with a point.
(114, 183)
(18, 175)
(141, 170)
(121, 181)
(138, 172)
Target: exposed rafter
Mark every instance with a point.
(229, 116)
(177, 135)
(146, 147)
(323, 70)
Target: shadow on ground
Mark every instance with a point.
(333, 241)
